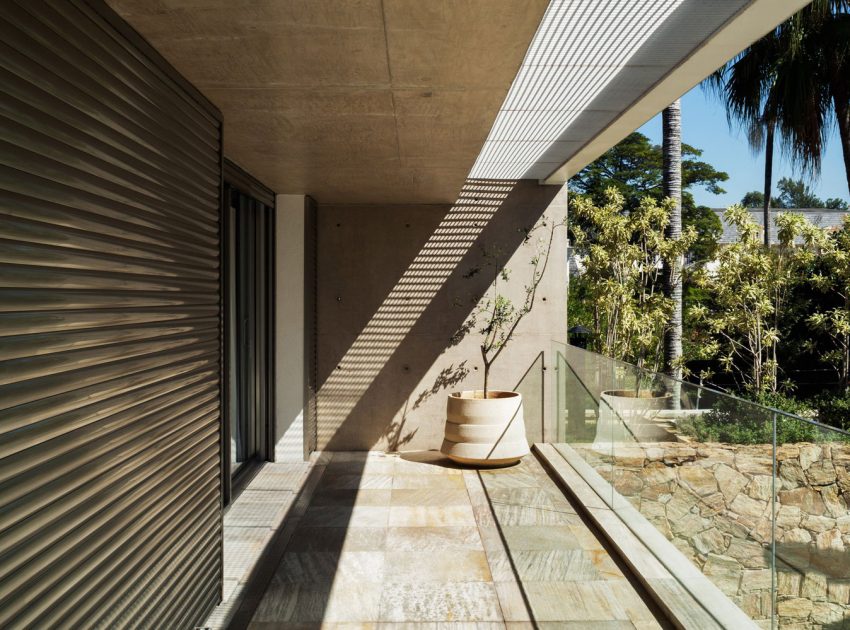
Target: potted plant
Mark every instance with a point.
(485, 427)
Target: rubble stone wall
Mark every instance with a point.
(713, 501)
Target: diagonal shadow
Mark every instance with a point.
(384, 362)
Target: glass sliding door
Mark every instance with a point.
(248, 260)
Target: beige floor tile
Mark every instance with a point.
(529, 497)
(586, 538)
(636, 609)
(352, 497)
(509, 478)
(338, 539)
(444, 625)
(431, 516)
(343, 516)
(484, 516)
(433, 538)
(586, 625)
(512, 601)
(508, 515)
(354, 482)
(326, 625)
(319, 602)
(606, 566)
(462, 601)
(354, 602)
(648, 625)
(573, 601)
(392, 541)
(242, 548)
(356, 456)
(539, 537)
(491, 538)
(259, 508)
(366, 467)
(501, 566)
(477, 496)
(427, 463)
(413, 481)
(442, 567)
(328, 566)
(229, 587)
(558, 565)
(430, 496)
(280, 477)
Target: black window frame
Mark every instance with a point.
(245, 193)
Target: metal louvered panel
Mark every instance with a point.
(110, 333)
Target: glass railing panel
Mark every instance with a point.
(812, 525)
(757, 499)
(531, 386)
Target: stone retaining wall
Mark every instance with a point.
(713, 502)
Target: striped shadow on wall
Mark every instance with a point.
(110, 180)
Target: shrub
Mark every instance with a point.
(735, 421)
(834, 410)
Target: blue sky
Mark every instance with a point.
(704, 126)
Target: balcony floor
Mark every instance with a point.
(401, 539)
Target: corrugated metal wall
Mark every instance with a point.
(110, 174)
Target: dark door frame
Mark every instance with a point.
(237, 181)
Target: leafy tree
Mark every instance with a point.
(795, 80)
(709, 229)
(835, 321)
(748, 288)
(795, 193)
(634, 167)
(755, 199)
(622, 255)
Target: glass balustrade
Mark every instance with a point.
(755, 498)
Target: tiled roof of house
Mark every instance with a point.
(821, 217)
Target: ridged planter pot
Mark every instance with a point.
(629, 416)
(485, 431)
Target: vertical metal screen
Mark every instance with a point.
(110, 176)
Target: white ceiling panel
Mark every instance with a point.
(591, 66)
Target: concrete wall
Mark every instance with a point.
(395, 284)
(290, 326)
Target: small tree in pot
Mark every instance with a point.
(486, 427)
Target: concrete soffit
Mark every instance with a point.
(595, 72)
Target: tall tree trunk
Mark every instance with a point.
(768, 180)
(672, 272)
(841, 99)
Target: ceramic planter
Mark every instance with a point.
(485, 431)
(629, 416)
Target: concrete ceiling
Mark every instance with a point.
(349, 101)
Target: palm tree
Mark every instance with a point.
(794, 81)
(746, 83)
(672, 187)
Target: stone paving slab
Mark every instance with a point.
(412, 541)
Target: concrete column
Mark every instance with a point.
(290, 327)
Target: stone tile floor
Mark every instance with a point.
(249, 527)
(412, 541)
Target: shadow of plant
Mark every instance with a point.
(394, 433)
(448, 377)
